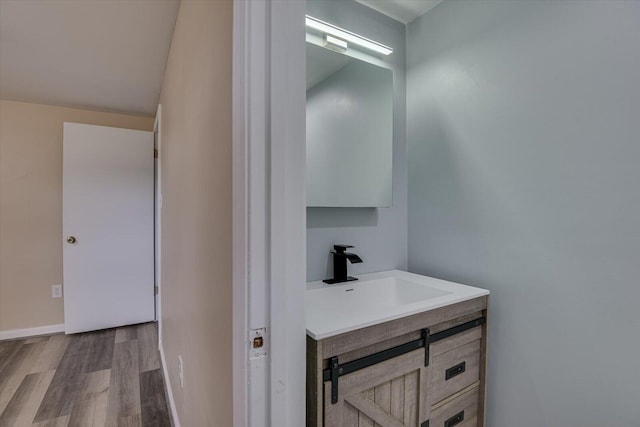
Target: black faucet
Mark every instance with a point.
(340, 258)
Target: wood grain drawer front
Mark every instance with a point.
(459, 412)
(454, 370)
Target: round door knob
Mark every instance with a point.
(71, 239)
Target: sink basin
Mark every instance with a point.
(376, 298)
(371, 295)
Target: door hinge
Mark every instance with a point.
(155, 290)
(155, 153)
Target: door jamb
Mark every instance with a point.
(269, 211)
(157, 248)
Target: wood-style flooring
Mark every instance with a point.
(103, 378)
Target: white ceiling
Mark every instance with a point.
(404, 11)
(98, 54)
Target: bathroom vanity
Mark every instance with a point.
(396, 349)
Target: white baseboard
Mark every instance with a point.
(11, 334)
(167, 383)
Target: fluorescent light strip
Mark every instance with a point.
(348, 36)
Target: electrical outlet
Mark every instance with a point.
(180, 371)
(56, 291)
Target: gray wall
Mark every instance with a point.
(380, 235)
(524, 178)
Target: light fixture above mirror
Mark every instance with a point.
(337, 38)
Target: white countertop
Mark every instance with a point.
(376, 298)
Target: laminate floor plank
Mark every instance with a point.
(92, 379)
(8, 342)
(149, 357)
(130, 421)
(90, 406)
(36, 339)
(7, 350)
(155, 412)
(56, 422)
(66, 382)
(101, 355)
(22, 407)
(124, 389)
(15, 371)
(126, 333)
(50, 356)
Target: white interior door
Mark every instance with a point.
(108, 223)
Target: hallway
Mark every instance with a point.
(104, 378)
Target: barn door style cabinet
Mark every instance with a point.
(424, 370)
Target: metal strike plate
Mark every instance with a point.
(257, 343)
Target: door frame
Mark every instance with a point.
(157, 251)
(269, 211)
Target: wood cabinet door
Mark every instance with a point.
(388, 394)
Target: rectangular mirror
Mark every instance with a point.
(349, 131)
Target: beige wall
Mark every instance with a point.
(196, 216)
(31, 207)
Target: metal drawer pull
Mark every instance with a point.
(455, 420)
(454, 371)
